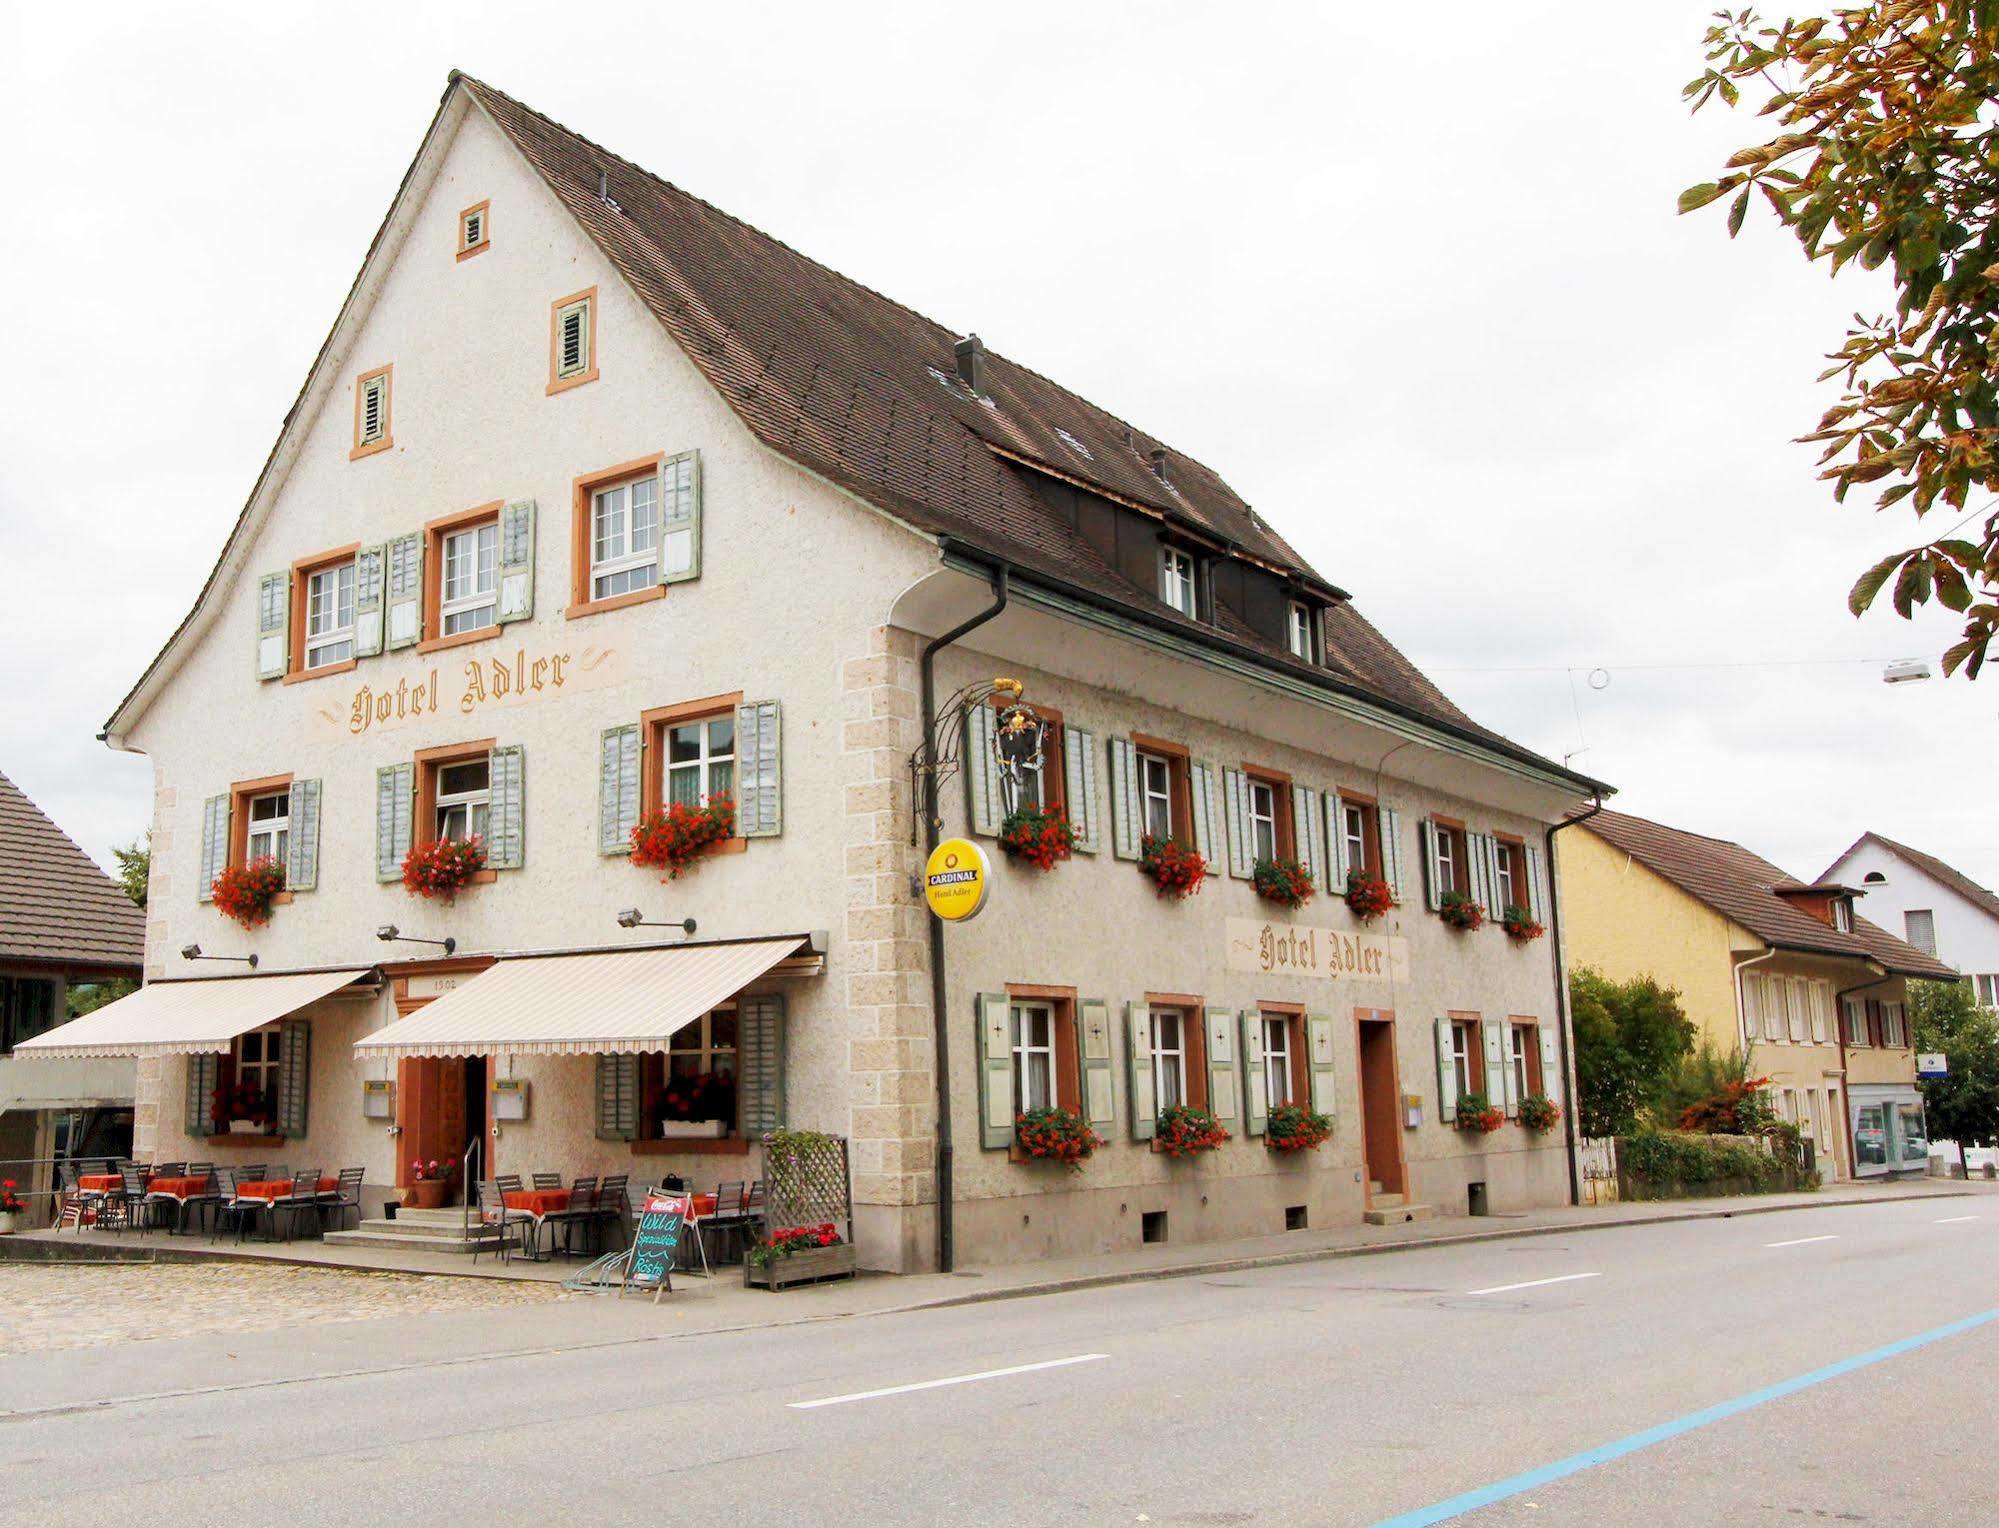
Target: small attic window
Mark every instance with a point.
(572, 340)
(371, 412)
(1874, 878)
(475, 229)
(1074, 444)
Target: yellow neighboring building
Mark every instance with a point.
(1763, 960)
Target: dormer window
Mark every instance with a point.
(1842, 915)
(1298, 632)
(1176, 580)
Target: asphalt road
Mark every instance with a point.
(1689, 1373)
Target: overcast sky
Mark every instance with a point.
(1415, 288)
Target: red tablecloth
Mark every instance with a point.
(538, 1201)
(704, 1204)
(179, 1188)
(100, 1183)
(278, 1188)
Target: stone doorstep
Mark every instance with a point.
(1383, 1214)
(411, 1230)
(409, 1241)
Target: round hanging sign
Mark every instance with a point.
(955, 880)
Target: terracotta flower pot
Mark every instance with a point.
(428, 1194)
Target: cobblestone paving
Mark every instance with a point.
(58, 1305)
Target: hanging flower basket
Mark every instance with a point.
(1367, 898)
(1519, 924)
(1539, 1112)
(1056, 1134)
(1477, 1115)
(248, 892)
(1185, 1131)
(1037, 837)
(1176, 870)
(1460, 911)
(1293, 1127)
(673, 839)
(1284, 881)
(443, 867)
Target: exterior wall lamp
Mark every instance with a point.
(388, 932)
(193, 952)
(631, 917)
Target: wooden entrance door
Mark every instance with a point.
(1380, 1101)
(431, 1109)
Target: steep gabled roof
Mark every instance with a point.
(56, 906)
(1931, 866)
(1742, 886)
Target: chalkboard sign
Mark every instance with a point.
(655, 1240)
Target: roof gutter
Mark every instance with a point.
(1564, 1017)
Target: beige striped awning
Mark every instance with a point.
(185, 1018)
(602, 1002)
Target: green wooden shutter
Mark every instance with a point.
(274, 625)
(680, 518)
(1206, 804)
(617, 788)
(395, 806)
(617, 1098)
(214, 845)
(982, 786)
(1336, 846)
(516, 569)
(507, 839)
(1537, 904)
(759, 770)
(302, 837)
(1551, 1064)
(1447, 1077)
(370, 587)
(1499, 1067)
(204, 1076)
(1307, 832)
(1126, 820)
(995, 1071)
(405, 591)
(1319, 1056)
(1389, 822)
(1426, 837)
(1138, 1071)
(1093, 1044)
(1256, 1086)
(1235, 794)
(294, 1076)
(1224, 1087)
(760, 1048)
(1079, 787)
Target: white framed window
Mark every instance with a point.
(464, 799)
(1176, 579)
(270, 824)
(1855, 1018)
(572, 339)
(1169, 1058)
(1354, 819)
(1919, 926)
(257, 1061)
(1033, 1056)
(1277, 1059)
(624, 537)
(1155, 791)
(1464, 1050)
(1524, 1047)
(1298, 629)
(1988, 990)
(1894, 1025)
(1509, 890)
(329, 615)
(701, 759)
(1262, 819)
(1842, 915)
(470, 587)
(695, 1080)
(1447, 859)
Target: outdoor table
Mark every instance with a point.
(100, 1183)
(538, 1201)
(179, 1188)
(278, 1188)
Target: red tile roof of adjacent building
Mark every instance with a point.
(1743, 886)
(56, 906)
(1931, 866)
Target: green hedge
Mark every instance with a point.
(1669, 1164)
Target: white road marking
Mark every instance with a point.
(1951, 1220)
(956, 1379)
(1799, 1241)
(1561, 1278)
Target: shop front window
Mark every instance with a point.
(1870, 1135)
(1915, 1136)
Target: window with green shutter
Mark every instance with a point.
(760, 1051)
(302, 836)
(214, 844)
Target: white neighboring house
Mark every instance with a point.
(1936, 908)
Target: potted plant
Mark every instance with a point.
(1477, 1115)
(1367, 897)
(1293, 1127)
(1460, 911)
(1056, 1133)
(12, 1207)
(248, 892)
(1284, 881)
(796, 1253)
(443, 867)
(674, 837)
(430, 1184)
(239, 1110)
(1185, 1131)
(1539, 1112)
(1037, 837)
(1519, 924)
(1175, 870)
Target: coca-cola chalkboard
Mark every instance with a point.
(654, 1241)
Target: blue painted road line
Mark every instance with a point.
(1514, 1485)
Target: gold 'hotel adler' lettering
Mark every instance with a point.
(1289, 949)
(484, 682)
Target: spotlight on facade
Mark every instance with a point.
(388, 932)
(631, 917)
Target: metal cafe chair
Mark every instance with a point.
(581, 1211)
(612, 1208)
(493, 1213)
(303, 1198)
(335, 1203)
(546, 1180)
(228, 1203)
(128, 1206)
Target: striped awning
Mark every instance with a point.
(186, 1018)
(607, 1002)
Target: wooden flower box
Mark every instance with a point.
(803, 1267)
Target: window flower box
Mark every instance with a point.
(1520, 925)
(693, 1129)
(1037, 838)
(443, 867)
(248, 892)
(1284, 881)
(673, 839)
(1176, 870)
(1460, 911)
(1478, 1115)
(1367, 897)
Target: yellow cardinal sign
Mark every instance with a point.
(955, 880)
